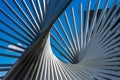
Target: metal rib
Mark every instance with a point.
(94, 54)
(32, 32)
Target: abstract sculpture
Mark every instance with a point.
(92, 49)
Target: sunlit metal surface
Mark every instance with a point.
(23, 24)
(92, 49)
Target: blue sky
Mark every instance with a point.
(5, 60)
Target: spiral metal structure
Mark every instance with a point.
(90, 45)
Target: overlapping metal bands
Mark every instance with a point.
(92, 48)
